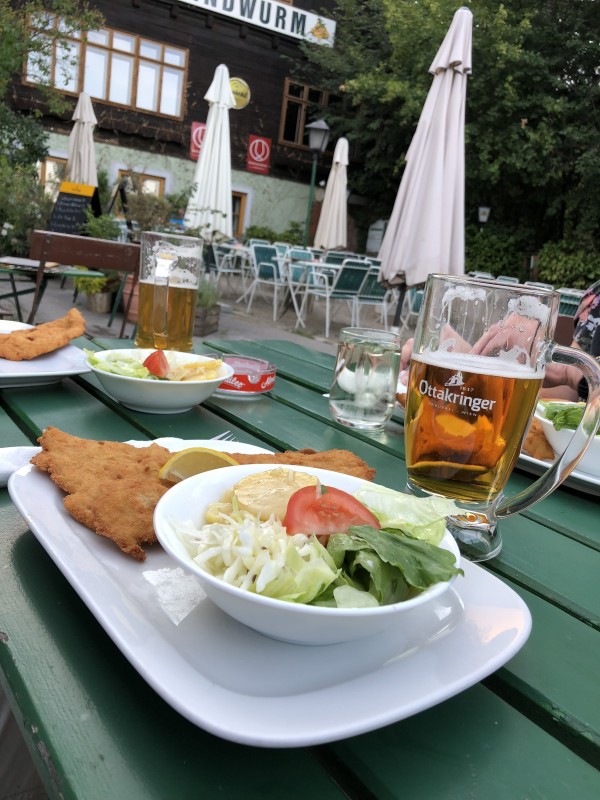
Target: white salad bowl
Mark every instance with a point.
(291, 622)
(590, 462)
(158, 396)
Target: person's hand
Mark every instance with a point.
(405, 355)
(516, 331)
(561, 380)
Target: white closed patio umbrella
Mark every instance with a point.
(209, 207)
(332, 229)
(425, 232)
(81, 165)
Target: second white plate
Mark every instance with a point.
(50, 368)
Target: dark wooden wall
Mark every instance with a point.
(253, 54)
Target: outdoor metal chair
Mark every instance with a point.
(335, 257)
(482, 276)
(266, 272)
(569, 301)
(372, 293)
(344, 285)
(411, 307)
(539, 285)
(299, 254)
(229, 263)
(282, 248)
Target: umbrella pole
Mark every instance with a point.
(398, 311)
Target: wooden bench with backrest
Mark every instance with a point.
(83, 251)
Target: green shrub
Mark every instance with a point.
(208, 293)
(23, 207)
(566, 264)
(102, 227)
(493, 250)
(293, 234)
(260, 232)
(91, 285)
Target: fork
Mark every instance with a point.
(226, 436)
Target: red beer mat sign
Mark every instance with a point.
(251, 377)
(258, 158)
(196, 136)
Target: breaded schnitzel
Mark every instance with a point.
(28, 343)
(111, 487)
(335, 460)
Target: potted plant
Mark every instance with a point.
(98, 292)
(207, 308)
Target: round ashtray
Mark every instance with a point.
(251, 377)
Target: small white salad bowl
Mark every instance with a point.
(158, 397)
(590, 462)
(289, 622)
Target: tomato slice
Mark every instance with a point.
(157, 364)
(322, 510)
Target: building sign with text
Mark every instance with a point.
(274, 16)
(196, 137)
(258, 158)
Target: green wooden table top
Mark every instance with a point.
(96, 729)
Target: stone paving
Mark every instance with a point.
(235, 322)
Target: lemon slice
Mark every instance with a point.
(192, 461)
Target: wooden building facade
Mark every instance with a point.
(147, 71)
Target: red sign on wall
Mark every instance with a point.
(196, 137)
(258, 158)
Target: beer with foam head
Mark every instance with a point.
(166, 317)
(169, 277)
(465, 419)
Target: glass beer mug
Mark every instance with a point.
(478, 363)
(169, 277)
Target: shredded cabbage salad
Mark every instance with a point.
(261, 557)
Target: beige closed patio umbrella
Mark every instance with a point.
(81, 165)
(209, 208)
(332, 228)
(425, 232)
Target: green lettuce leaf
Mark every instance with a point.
(303, 577)
(564, 415)
(419, 517)
(421, 563)
(119, 365)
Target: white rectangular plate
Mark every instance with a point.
(576, 480)
(247, 688)
(50, 368)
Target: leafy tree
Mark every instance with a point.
(25, 34)
(28, 36)
(532, 129)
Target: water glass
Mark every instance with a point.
(170, 267)
(363, 391)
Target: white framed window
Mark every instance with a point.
(52, 172)
(140, 181)
(114, 67)
(301, 105)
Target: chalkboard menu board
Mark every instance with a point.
(69, 212)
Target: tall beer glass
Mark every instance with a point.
(169, 277)
(478, 363)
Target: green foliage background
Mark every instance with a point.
(532, 136)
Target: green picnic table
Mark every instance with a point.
(96, 729)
